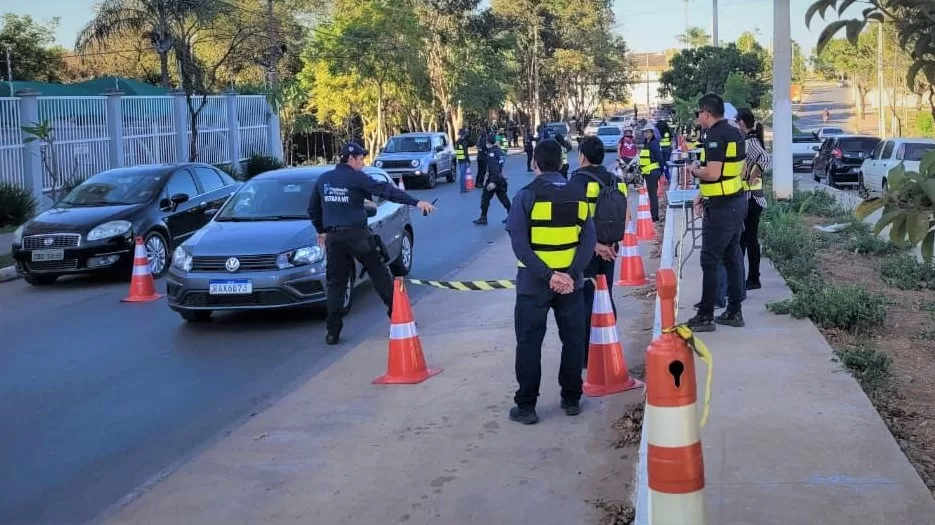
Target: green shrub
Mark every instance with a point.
(789, 244)
(843, 306)
(861, 240)
(903, 271)
(258, 164)
(869, 367)
(816, 202)
(17, 205)
(927, 333)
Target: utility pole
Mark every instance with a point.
(714, 25)
(881, 120)
(647, 82)
(537, 116)
(782, 106)
(9, 69)
(273, 46)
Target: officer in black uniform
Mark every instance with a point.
(725, 208)
(550, 277)
(338, 213)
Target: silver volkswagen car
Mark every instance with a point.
(260, 250)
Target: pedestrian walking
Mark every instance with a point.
(496, 183)
(608, 211)
(337, 210)
(651, 162)
(553, 239)
(463, 157)
(528, 140)
(566, 147)
(482, 151)
(755, 165)
(724, 206)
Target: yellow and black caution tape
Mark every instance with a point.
(699, 348)
(468, 286)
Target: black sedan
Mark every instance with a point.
(92, 229)
(840, 157)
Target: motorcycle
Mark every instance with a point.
(628, 171)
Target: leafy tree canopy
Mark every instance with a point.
(33, 56)
(706, 70)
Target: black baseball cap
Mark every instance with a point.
(353, 149)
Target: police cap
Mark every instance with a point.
(353, 149)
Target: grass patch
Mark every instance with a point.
(788, 243)
(6, 259)
(861, 240)
(905, 272)
(869, 367)
(815, 202)
(848, 307)
(7, 229)
(927, 333)
(929, 307)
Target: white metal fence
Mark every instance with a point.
(92, 134)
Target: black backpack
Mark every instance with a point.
(610, 214)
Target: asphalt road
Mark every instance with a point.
(821, 97)
(99, 398)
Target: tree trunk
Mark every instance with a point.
(164, 69)
(379, 130)
(861, 108)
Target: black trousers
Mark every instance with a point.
(530, 316)
(481, 173)
(487, 195)
(564, 170)
(343, 246)
(528, 160)
(750, 240)
(596, 267)
(652, 187)
(720, 244)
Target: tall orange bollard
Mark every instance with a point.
(675, 466)
(607, 367)
(405, 361)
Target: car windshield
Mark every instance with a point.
(833, 131)
(914, 151)
(558, 128)
(865, 145)
(408, 145)
(269, 200)
(609, 130)
(616, 119)
(114, 188)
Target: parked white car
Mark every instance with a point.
(887, 155)
(591, 128)
(609, 135)
(826, 132)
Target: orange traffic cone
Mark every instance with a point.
(645, 231)
(401, 185)
(662, 187)
(631, 263)
(675, 463)
(607, 368)
(468, 180)
(142, 288)
(406, 363)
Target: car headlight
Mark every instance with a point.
(300, 257)
(415, 163)
(109, 229)
(182, 260)
(18, 235)
(378, 163)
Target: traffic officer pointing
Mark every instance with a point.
(338, 212)
(725, 208)
(553, 238)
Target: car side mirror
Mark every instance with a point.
(439, 149)
(179, 198)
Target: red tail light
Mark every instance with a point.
(837, 153)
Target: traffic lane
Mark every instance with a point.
(831, 97)
(105, 395)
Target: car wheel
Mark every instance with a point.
(403, 264)
(831, 182)
(884, 186)
(815, 174)
(348, 295)
(196, 316)
(862, 190)
(431, 178)
(40, 280)
(451, 173)
(157, 251)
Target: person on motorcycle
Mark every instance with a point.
(626, 148)
(826, 116)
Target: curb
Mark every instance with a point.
(8, 274)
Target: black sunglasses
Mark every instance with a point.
(698, 112)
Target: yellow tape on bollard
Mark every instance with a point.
(699, 348)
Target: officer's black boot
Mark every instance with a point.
(730, 318)
(481, 221)
(701, 323)
(526, 416)
(753, 284)
(571, 408)
(332, 339)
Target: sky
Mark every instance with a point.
(646, 26)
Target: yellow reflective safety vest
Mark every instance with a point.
(666, 141)
(593, 189)
(555, 224)
(647, 166)
(461, 151)
(564, 155)
(730, 182)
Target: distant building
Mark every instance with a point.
(647, 68)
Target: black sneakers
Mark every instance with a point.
(332, 339)
(571, 408)
(481, 221)
(526, 416)
(730, 318)
(701, 324)
(753, 285)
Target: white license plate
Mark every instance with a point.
(48, 255)
(806, 163)
(230, 287)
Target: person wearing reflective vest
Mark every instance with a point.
(553, 238)
(590, 158)
(462, 157)
(725, 207)
(665, 144)
(651, 162)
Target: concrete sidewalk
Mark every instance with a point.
(791, 438)
(341, 451)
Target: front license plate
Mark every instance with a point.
(806, 163)
(48, 255)
(230, 287)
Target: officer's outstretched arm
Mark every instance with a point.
(384, 190)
